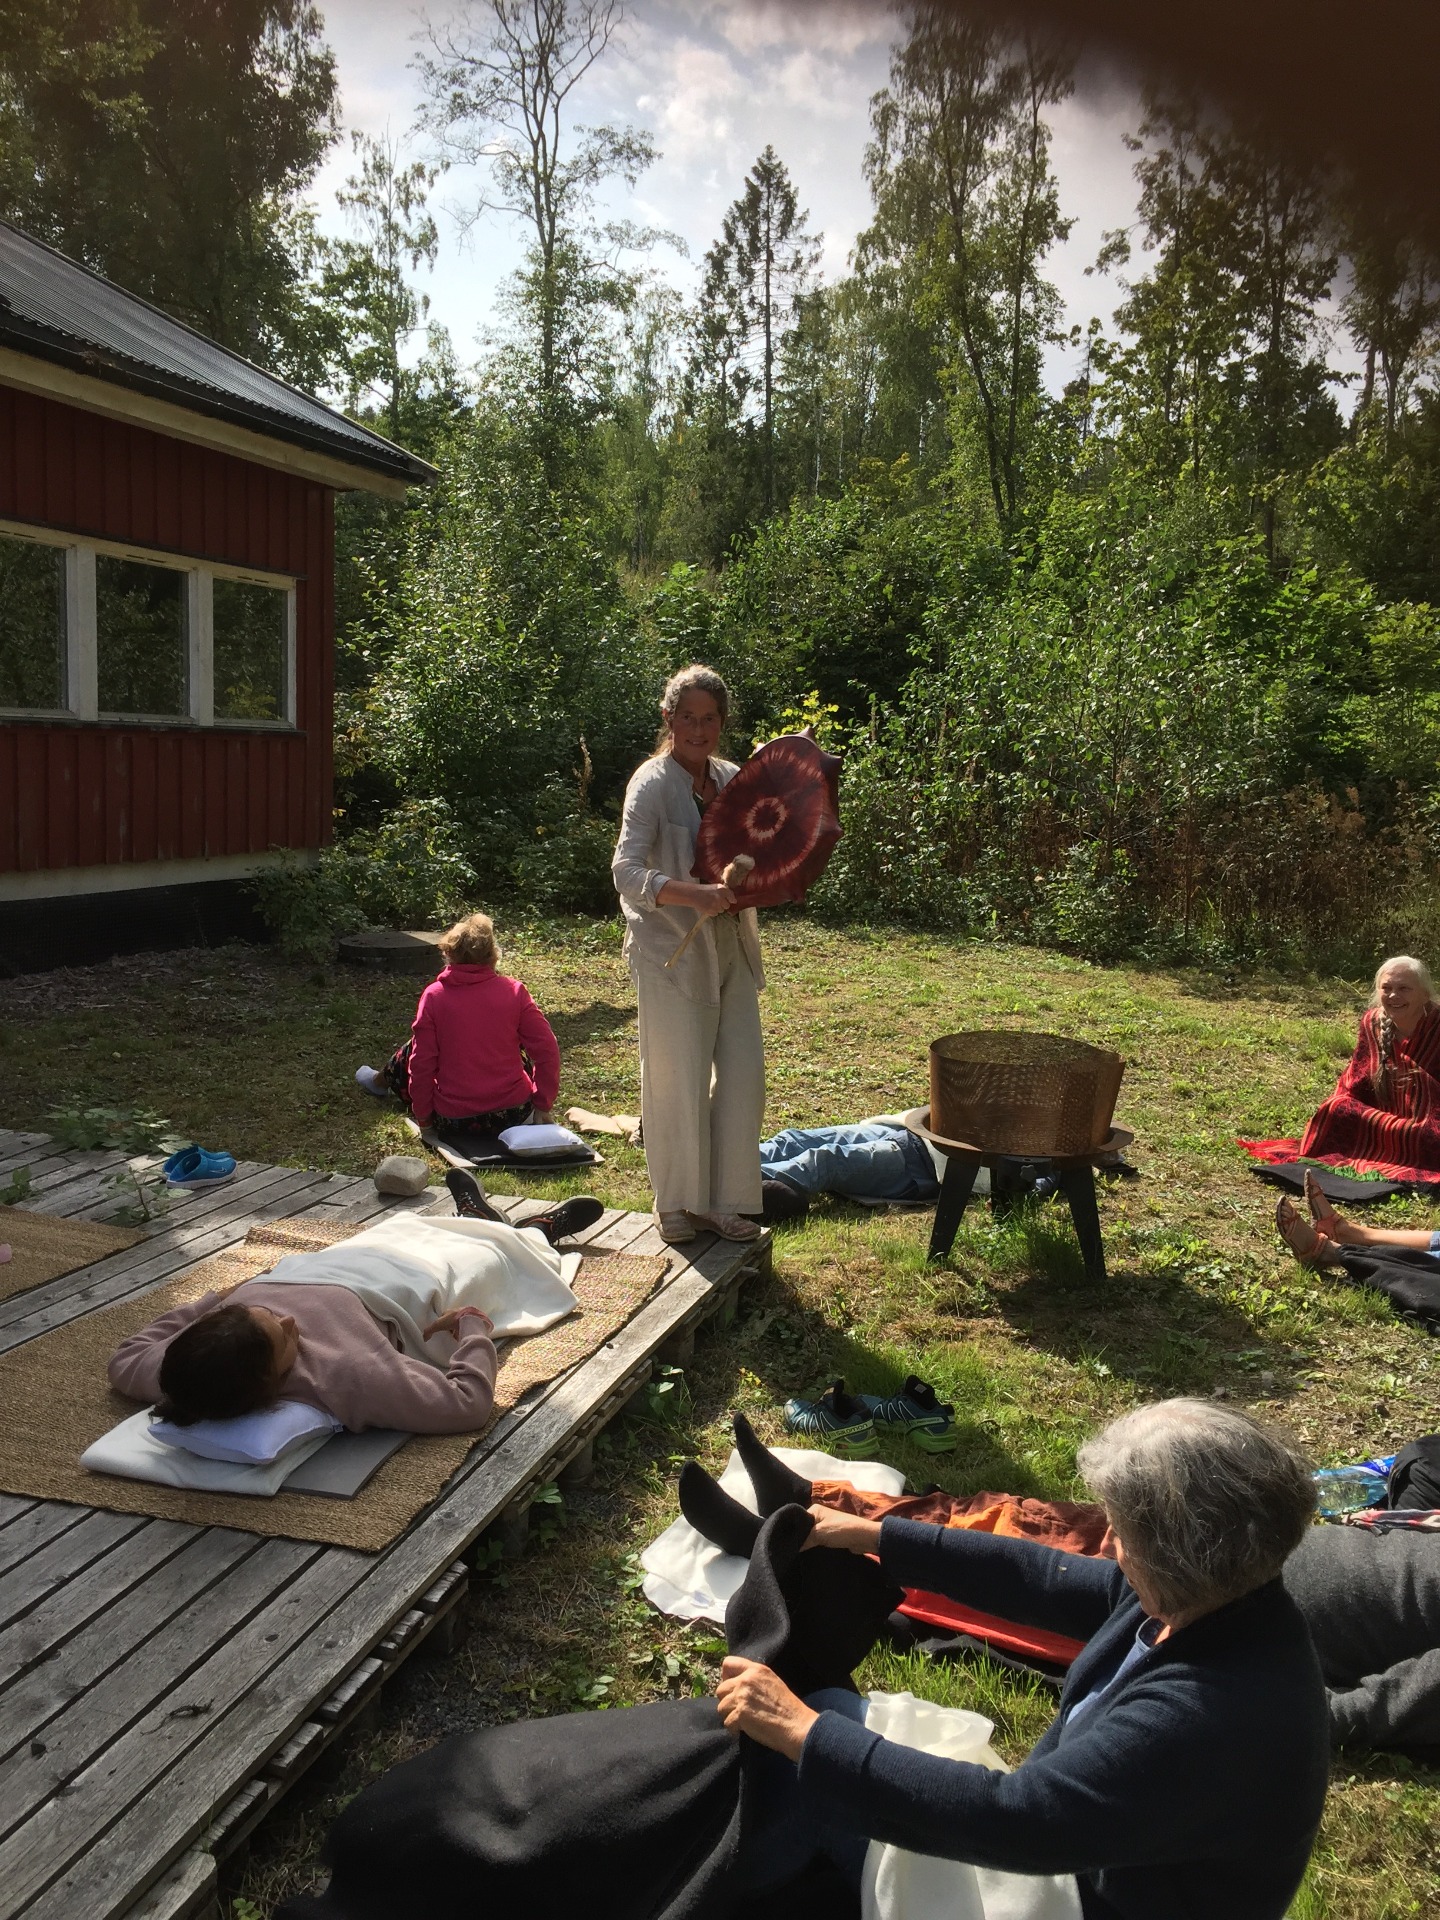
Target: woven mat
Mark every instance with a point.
(57, 1402)
(44, 1246)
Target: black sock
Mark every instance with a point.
(711, 1511)
(775, 1484)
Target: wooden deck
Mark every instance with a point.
(163, 1685)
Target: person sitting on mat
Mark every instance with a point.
(380, 1330)
(481, 1055)
(1384, 1115)
(1186, 1770)
(1369, 1591)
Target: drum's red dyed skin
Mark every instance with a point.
(783, 809)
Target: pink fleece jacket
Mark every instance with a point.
(469, 1028)
(346, 1363)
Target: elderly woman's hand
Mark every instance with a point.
(756, 1701)
(844, 1530)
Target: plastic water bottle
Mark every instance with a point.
(1341, 1490)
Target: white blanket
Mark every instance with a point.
(688, 1576)
(898, 1885)
(409, 1268)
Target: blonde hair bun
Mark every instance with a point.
(470, 942)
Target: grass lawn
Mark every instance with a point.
(244, 1051)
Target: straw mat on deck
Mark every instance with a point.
(44, 1246)
(57, 1401)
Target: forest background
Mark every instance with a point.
(1147, 667)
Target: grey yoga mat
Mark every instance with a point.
(342, 1466)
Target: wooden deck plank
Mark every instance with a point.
(131, 1728)
(40, 1160)
(147, 1608)
(99, 1752)
(27, 1582)
(176, 1203)
(159, 1824)
(12, 1505)
(85, 1594)
(35, 1530)
(12, 1142)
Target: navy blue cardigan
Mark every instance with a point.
(1192, 1789)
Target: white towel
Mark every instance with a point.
(688, 1576)
(899, 1885)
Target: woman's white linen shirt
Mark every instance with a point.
(658, 830)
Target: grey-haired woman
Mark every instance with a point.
(1185, 1773)
(702, 1059)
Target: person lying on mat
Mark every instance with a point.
(481, 1055)
(1384, 1115)
(878, 1162)
(1185, 1773)
(385, 1329)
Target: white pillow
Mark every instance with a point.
(131, 1451)
(547, 1139)
(251, 1439)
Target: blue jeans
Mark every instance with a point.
(791, 1829)
(860, 1163)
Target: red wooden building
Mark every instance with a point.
(166, 615)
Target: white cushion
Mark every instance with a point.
(547, 1139)
(253, 1439)
(133, 1453)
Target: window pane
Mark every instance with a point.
(140, 636)
(249, 651)
(32, 624)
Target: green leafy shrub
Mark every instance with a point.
(410, 871)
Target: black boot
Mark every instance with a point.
(712, 1512)
(775, 1484)
(470, 1201)
(571, 1216)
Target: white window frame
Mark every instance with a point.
(81, 652)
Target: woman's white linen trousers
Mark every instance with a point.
(702, 1088)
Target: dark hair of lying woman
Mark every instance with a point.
(220, 1366)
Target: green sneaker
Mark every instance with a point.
(838, 1419)
(916, 1413)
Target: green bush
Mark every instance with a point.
(408, 872)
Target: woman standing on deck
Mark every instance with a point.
(702, 1059)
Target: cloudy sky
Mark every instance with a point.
(713, 81)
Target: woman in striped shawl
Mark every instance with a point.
(1384, 1115)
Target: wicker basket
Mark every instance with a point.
(1023, 1093)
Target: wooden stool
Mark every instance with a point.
(1074, 1176)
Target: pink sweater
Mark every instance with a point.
(469, 1028)
(346, 1363)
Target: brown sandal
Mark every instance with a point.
(1308, 1246)
(1322, 1212)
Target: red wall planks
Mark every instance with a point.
(75, 795)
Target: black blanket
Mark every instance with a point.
(1340, 1187)
(633, 1814)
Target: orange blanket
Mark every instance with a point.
(1069, 1526)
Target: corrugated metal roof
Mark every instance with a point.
(60, 311)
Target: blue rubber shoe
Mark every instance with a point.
(916, 1413)
(839, 1420)
(194, 1167)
